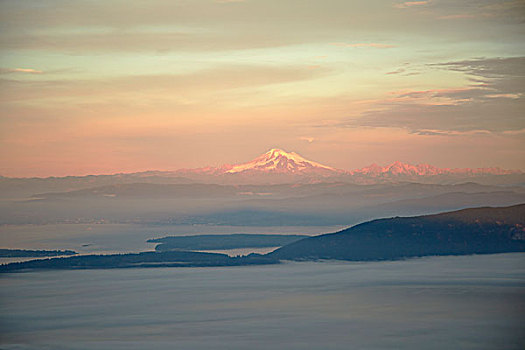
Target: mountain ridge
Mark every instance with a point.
(400, 168)
(483, 230)
(277, 166)
(279, 161)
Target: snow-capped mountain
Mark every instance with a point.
(281, 162)
(278, 166)
(277, 161)
(274, 167)
(404, 169)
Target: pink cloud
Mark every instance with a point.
(374, 45)
(20, 70)
(431, 92)
(397, 71)
(307, 139)
(411, 3)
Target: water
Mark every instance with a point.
(468, 302)
(125, 238)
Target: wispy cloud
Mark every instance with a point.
(20, 70)
(397, 71)
(136, 41)
(373, 45)
(227, 1)
(307, 139)
(494, 102)
(459, 16)
(434, 93)
(405, 70)
(407, 4)
(450, 132)
(195, 86)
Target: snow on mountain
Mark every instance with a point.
(279, 161)
(404, 169)
(278, 166)
(398, 168)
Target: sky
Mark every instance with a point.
(93, 87)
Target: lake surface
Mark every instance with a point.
(467, 302)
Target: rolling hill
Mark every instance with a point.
(469, 231)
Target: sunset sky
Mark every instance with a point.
(91, 87)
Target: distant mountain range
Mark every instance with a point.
(279, 162)
(273, 167)
(278, 166)
(310, 204)
(404, 169)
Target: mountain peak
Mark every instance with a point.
(277, 160)
(404, 169)
(276, 152)
(279, 165)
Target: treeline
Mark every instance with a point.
(145, 259)
(22, 253)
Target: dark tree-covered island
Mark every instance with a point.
(145, 259)
(469, 231)
(22, 253)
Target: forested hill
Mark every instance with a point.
(469, 231)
